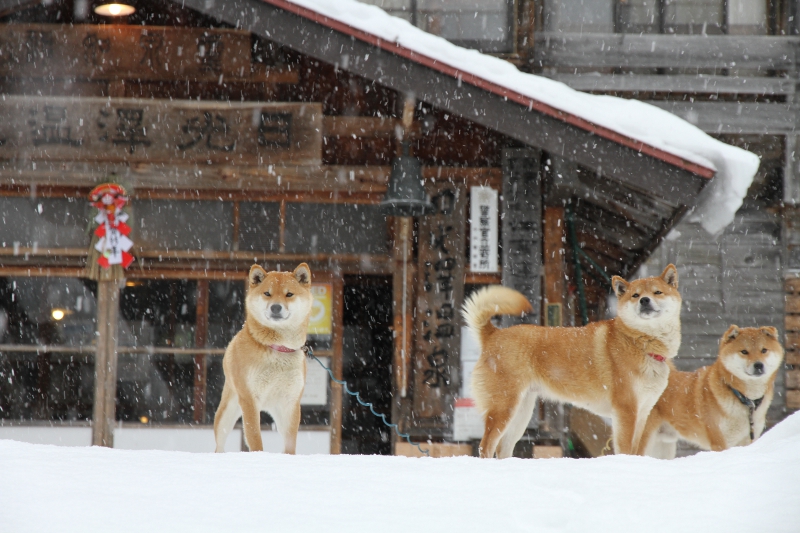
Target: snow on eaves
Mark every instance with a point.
(653, 126)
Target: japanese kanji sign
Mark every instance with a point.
(130, 130)
(440, 293)
(483, 229)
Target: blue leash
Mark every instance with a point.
(406, 436)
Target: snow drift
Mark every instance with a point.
(658, 128)
(49, 488)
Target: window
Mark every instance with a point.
(672, 16)
(47, 334)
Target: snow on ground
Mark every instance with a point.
(649, 124)
(49, 488)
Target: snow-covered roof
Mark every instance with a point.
(632, 123)
(48, 488)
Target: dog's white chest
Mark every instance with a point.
(278, 375)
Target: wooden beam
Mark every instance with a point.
(554, 269)
(664, 51)
(403, 302)
(137, 53)
(105, 365)
(363, 184)
(200, 360)
(337, 364)
(734, 117)
(613, 83)
(343, 126)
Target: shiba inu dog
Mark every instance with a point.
(616, 368)
(721, 405)
(264, 365)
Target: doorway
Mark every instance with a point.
(367, 363)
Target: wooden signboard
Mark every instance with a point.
(440, 293)
(153, 131)
(113, 52)
(522, 228)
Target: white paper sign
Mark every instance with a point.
(316, 391)
(483, 229)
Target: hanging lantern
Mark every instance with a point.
(109, 253)
(405, 194)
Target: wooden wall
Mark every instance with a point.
(733, 278)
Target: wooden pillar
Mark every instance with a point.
(522, 227)
(105, 364)
(336, 364)
(403, 315)
(554, 282)
(200, 360)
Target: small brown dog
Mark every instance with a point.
(721, 405)
(615, 368)
(265, 368)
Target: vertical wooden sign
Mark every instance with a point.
(440, 293)
(522, 227)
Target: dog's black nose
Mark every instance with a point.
(276, 308)
(758, 368)
(645, 301)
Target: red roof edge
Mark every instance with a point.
(494, 88)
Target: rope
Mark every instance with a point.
(355, 395)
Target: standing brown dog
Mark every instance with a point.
(721, 405)
(265, 368)
(615, 368)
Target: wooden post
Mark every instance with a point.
(403, 315)
(200, 360)
(554, 238)
(105, 364)
(522, 227)
(336, 364)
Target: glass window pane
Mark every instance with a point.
(182, 225)
(158, 386)
(46, 311)
(335, 228)
(45, 222)
(158, 313)
(54, 311)
(225, 311)
(259, 226)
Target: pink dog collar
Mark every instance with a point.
(283, 349)
(657, 357)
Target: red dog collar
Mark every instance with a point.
(284, 349)
(657, 357)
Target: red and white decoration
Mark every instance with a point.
(112, 231)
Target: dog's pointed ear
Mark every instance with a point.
(770, 331)
(620, 285)
(303, 274)
(731, 334)
(257, 275)
(670, 275)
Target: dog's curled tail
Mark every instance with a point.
(490, 301)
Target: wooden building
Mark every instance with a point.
(259, 131)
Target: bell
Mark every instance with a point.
(405, 195)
